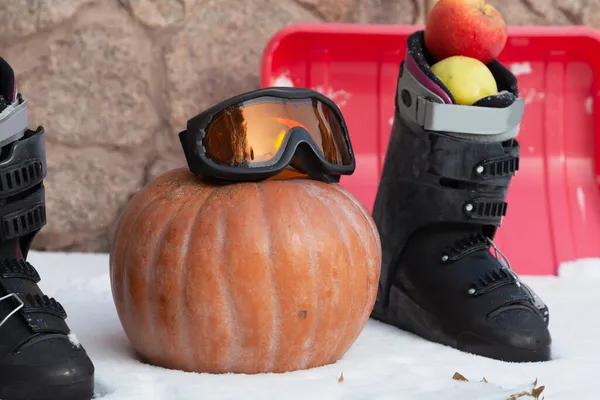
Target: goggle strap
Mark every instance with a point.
(311, 169)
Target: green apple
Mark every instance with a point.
(468, 79)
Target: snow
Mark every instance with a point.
(385, 363)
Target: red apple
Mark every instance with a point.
(470, 28)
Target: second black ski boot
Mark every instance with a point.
(439, 203)
(39, 357)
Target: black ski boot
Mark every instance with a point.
(439, 203)
(37, 357)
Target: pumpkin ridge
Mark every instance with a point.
(363, 212)
(235, 345)
(152, 289)
(141, 277)
(125, 257)
(274, 336)
(358, 208)
(326, 195)
(350, 281)
(125, 215)
(250, 347)
(365, 215)
(305, 217)
(355, 224)
(184, 278)
(299, 349)
(118, 257)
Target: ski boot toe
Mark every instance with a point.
(466, 297)
(47, 367)
(513, 333)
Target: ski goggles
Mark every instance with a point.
(257, 135)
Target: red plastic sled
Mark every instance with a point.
(554, 202)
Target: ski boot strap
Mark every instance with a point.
(42, 314)
(459, 181)
(22, 214)
(22, 197)
(24, 310)
(468, 153)
(423, 107)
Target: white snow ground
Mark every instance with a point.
(385, 363)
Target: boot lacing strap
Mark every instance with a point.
(18, 285)
(494, 278)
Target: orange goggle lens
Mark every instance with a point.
(252, 132)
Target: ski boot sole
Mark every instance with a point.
(83, 390)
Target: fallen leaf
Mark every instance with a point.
(537, 392)
(459, 377)
(519, 395)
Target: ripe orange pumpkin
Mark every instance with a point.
(273, 276)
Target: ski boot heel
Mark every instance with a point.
(407, 315)
(441, 199)
(38, 357)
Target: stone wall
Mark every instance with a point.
(113, 81)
